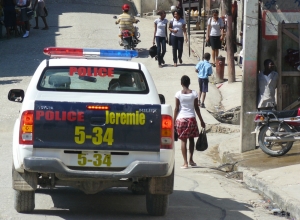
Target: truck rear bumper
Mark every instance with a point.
(136, 169)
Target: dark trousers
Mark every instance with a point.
(161, 48)
(177, 44)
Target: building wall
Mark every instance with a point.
(144, 6)
(273, 12)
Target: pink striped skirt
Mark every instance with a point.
(187, 128)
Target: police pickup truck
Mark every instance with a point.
(92, 120)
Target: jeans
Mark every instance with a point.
(177, 44)
(161, 48)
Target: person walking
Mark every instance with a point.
(10, 16)
(179, 7)
(39, 7)
(25, 6)
(186, 105)
(215, 29)
(160, 36)
(204, 69)
(178, 31)
(267, 83)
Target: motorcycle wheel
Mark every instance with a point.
(274, 149)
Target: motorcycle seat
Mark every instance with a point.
(287, 114)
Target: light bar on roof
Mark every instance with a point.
(65, 52)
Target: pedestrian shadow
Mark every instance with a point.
(11, 81)
(119, 203)
(187, 64)
(179, 65)
(143, 53)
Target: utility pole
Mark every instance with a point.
(249, 92)
(229, 42)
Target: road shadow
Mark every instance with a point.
(119, 203)
(11, 81)
(259, 160)
(143, 53)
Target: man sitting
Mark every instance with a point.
(125, 80)
(126, 21)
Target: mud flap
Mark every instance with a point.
(24, 181)
(161, 185)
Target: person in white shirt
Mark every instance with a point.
(25, 5)
(215, 27)
(186, 104)
(267, 84)
(178, 30)
(160, 36)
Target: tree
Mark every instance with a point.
(229, 42)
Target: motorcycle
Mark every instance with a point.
(128, 39)
(277, 130)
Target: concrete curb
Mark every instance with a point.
(274, 193)
(251, 179)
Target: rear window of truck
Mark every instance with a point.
(93, 79)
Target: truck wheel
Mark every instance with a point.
(157, 204)
(24, 201)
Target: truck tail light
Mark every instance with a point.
(26, 128)
(167, 132)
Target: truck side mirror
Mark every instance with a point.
(16, 95)
(162, 99)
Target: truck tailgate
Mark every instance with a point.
(94, 126)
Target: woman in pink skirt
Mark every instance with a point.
(185, 119)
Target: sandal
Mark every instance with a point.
(214, 65)
(184, 167)
(193, 164)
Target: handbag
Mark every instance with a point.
(170, 35)
(29, 12)
(153, 51)
(170, 39)
(46, 11)
(207, 43)
(175, 134)
(201, 144)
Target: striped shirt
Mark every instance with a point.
(126, 22)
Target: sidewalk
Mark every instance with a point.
(277, 178)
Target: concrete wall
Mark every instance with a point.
(272, 13)
(144, 6)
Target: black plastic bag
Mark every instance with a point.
(153, 51)
(202, 144)
(175, 134)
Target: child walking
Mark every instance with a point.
(204, 69)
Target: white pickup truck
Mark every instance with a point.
(92, 120)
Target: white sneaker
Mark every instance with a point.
(26, 34)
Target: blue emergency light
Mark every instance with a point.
(90, 53)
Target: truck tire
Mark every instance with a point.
(24, 201)
(157, 205)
